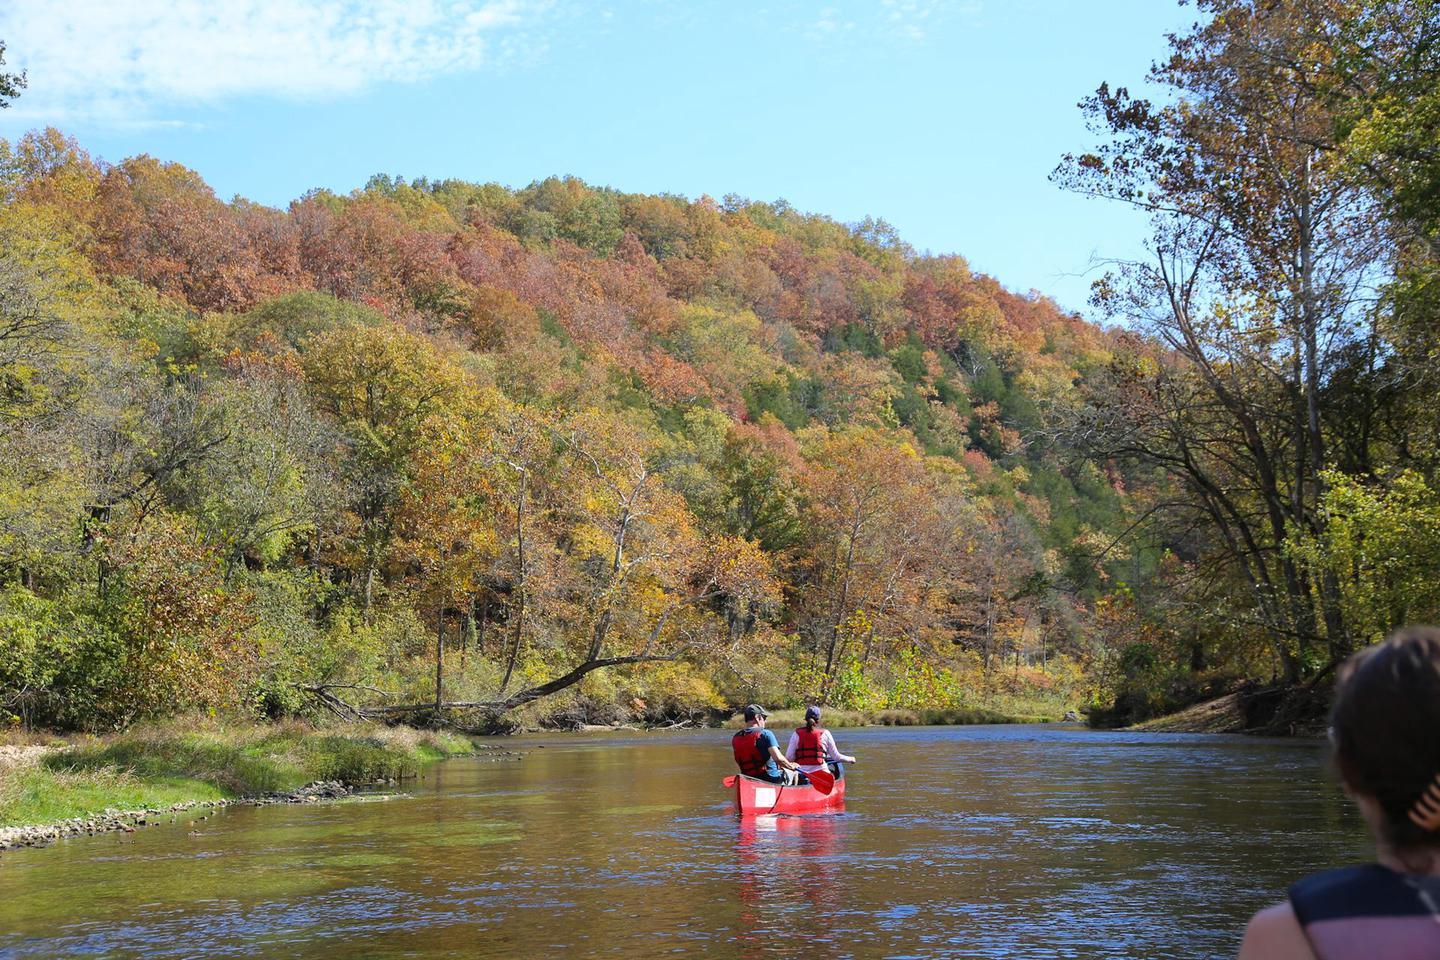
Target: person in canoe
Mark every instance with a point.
(1385, 734)
(813, 748)
(758, 752)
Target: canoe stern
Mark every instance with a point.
(761, 797)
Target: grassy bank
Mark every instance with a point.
(189, 762)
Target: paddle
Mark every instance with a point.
(822, 780)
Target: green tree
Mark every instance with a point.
(1262, 249)
(10, 83)
(1382, 542)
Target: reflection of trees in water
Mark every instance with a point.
(790, 873)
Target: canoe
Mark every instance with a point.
(760, 796)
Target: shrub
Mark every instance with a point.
(59, 663)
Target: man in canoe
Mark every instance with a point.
(813, 748)
(758, 752)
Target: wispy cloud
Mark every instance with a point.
(140, 62)
(910, 18)
(831, 21)
(904, 20)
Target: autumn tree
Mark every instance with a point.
(47, 306)
(858, 489)
(382, 385)
(636, 576)
(524, 452)
(444, 537)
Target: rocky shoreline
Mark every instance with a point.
(128, 821)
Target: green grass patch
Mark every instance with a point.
(39, 795)
(175, 763)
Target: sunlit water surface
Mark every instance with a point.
(954, 842)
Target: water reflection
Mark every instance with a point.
(790, 870)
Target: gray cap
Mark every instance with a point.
(755, 710)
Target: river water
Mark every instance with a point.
(1024, 842)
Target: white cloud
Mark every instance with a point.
(124, 62)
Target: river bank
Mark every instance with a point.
(83, 785)
(1251, 709)
(838, 719)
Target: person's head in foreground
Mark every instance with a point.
(1385, 729)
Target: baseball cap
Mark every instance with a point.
(755, 710)
(812, 711)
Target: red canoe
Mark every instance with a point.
(760, 797)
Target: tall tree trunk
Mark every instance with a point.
(838, 617)
(439, 659)
(1336, 635)
(467, 634)
(988, 641)
(520, 581)
(1302, 608)
(483, 612)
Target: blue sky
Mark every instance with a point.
(942, 116)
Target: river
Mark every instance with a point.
(1016, 842)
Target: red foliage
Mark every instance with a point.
(670, 380)
(161, 224)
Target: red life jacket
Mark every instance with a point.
(808, 749)
(746, 745)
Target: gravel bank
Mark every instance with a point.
(15, 756)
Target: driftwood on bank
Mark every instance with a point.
(325, 693)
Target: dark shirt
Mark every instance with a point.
(1359, 913)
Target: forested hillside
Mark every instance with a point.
(596, 456)
(443, 439)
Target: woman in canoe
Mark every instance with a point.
(813, 748)
(1385, 730)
